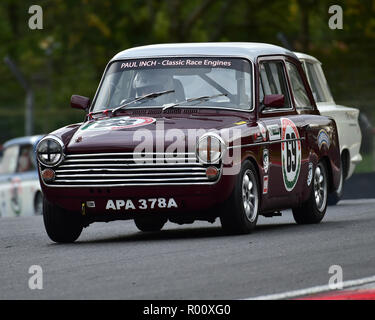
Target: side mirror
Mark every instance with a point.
(274, 101)
(79, 102)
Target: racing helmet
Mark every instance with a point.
(149, 81)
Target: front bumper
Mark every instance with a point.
(194, 197)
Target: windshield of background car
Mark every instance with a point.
(318, 82)
(229, 79)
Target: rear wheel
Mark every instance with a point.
(240, 212)
(147, 224)
(61, 225)
(314, 209)
(335, 197)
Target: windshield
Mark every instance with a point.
(226, 81)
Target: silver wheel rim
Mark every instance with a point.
(250, 196)
(320, 188)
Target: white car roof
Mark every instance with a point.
(304, 56)
(23, 140)
(249, 50)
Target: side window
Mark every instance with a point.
(25, 159)
(315, 84)
(9, 161)
(301, 98)
(273, 81)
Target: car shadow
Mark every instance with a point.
(215, 231)
(209, 232)
(168, 234)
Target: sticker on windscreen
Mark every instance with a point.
(118, 123)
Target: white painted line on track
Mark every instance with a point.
(313, 290)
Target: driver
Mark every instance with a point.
(150, 81)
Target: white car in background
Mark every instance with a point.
(346, 119)
(20, 193)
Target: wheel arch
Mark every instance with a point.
(254, 162)
(328, 165)
(345, 160)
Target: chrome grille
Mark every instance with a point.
(126, 169)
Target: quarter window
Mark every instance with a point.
(301, 98)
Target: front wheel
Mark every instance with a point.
(61, 225)
(335, 197)
(240, 211)
(314, 209)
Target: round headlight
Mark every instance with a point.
(49, 151)
(210, 148)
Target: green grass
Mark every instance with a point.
(366, 165)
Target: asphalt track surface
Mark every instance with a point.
(116, 261)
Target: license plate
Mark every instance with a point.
(141, 204)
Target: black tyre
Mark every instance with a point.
(314, 209)
(240, 212)
(61, 225)
(335, 197)
(147, 224)
(38, 204)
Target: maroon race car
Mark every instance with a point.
(186, 132)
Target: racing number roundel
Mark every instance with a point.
(118, 123)
(290, 153)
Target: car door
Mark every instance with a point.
(286, 148)
(303, 101)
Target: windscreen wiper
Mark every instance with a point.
(202, 98)
(151, 95)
